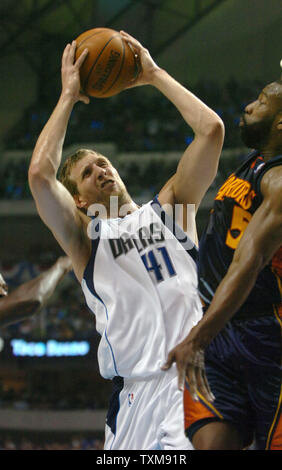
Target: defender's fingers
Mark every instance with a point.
(207, 387)
(201, 384)
(181, 370)
(201, 379)
(170, 360)
(191, 378)
(181, 378)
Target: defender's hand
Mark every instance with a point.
(70, 74)
(190, 364)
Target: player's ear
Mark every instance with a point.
(79, 202)
(279, 123)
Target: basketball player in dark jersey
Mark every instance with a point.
(29, 298)
(237, 395)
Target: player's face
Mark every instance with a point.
(257, 121)
(96, 180)
(3, 287)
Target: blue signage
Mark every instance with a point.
(52, 348)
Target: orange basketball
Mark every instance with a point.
(110, 64)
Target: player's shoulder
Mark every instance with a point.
(272, 179)
(271, 185)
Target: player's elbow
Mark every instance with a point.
(215, 128)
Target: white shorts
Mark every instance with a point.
(146, 414)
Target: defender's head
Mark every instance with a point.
(91, 178)
(261, 123)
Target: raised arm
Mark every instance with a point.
(198, 165)
(261, 239)
(30, 297)
(55, 205)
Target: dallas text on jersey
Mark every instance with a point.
(142, 239)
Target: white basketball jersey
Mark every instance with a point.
(141, 284)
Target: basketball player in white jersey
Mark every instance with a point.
(136, 264)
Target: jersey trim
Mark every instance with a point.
(88, 278)
(114, 407)
(208, 288)
(275, 161)
(88, 272)
(175, 229)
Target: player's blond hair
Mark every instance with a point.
(65, 171)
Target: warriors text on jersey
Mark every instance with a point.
(141, 284)
(235, 203)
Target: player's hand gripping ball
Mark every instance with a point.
(110, 65)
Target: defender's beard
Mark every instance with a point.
(256, 135)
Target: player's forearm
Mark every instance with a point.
(229, 297)
(14, 310)
(201, 118)
(27, 299)
(43, 286)
(47, 153)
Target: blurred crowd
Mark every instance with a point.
(40, 443)
(139, 121)
(72, 385)
(133, 121)
(92, 394)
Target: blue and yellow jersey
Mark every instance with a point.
(234, 205)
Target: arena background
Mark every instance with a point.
(51, 394)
